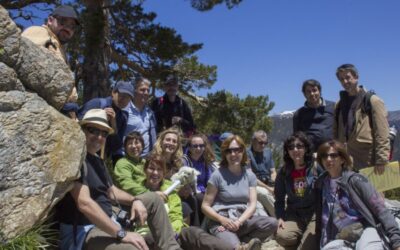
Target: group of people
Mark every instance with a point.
(314, 201)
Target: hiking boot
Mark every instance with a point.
(254, 244)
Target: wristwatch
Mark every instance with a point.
(121, 234)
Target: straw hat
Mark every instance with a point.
(97, 117)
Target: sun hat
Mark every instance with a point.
(66, 11)
(97, 117)
(124, 87)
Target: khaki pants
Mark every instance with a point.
(157, 221)
(297, 234)
(267, 200)
(195, 238)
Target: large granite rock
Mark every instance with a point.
(41, 150)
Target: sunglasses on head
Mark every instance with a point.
(298, 146)
(197, 145)
(97, 132)
(332, 155)
(233, 150)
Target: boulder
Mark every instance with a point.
(37, 68)
(41, 150)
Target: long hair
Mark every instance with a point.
(208, 153)
(340, 148)
(288, 162)
(176, 158)
(225, 147)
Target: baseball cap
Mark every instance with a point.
(124, 87)
(66, 11)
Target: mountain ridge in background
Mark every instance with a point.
(283, 127)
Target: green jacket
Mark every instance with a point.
(129, 175)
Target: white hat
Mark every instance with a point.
(96, 117)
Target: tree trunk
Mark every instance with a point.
(96, 62)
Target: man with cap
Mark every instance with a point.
(53, 35)
(56, 32)
(86, 216)
(113, 105)
(171, 110)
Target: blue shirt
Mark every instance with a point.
(143, 122)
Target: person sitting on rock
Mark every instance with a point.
(85, 213)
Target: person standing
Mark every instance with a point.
(361, 122)
(114, 106)
(171, 110)
(315, 118)
(140, 116)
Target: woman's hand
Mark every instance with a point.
(281, 224)
(229, 224)
(162, 196)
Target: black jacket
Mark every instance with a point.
(367, 201)
(316, 123)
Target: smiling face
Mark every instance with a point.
(63, 27)
(313, 96)
(134, 148)
(197, 147)
(95, 138)
(141, 94)
(154, 175)
(169, 143)
(333, 162)
(121, 100)
(296, 152)
(234, 154)
(349, 82)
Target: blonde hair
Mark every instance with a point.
(176, 158)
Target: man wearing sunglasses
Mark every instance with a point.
(53, 36)
(86, 216)
(262, 164)
(56, 32)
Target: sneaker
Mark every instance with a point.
(254, 244)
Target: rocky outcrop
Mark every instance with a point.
(40, 149)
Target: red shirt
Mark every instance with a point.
(299, 181)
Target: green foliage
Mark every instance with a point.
(227, 112)
(204, 5)
(393, 194)
(39, 237)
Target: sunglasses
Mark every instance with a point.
(64, 22)
(293, 146)
(197, 146)
(262, 143)
(332, 155)
(97, 132)
(233, 150)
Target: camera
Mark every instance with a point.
(124, 220)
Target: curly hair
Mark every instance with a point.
(225, 147)
(208, 154)
(340, 148)
(288, 161)
(176, 158)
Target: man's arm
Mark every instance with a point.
(92, 210)
(380, 134)
(137, 210)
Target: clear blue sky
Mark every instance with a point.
(270, 47)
